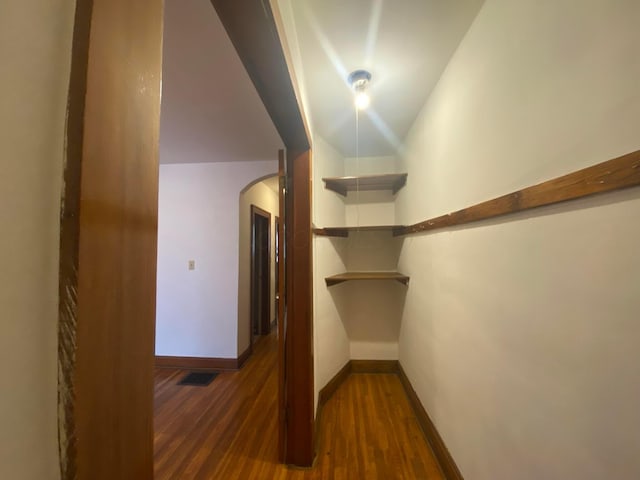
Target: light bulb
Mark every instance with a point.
(362, 100)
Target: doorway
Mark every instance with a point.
(260, 272)
(111, 247)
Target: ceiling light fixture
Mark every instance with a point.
(359, 79)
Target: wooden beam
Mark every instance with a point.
(298, 319)
(251, 27)
(615, 174)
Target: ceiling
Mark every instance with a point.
(405, 44)
(210, 111)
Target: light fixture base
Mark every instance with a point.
(358, 79)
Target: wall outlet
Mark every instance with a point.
(192, 264)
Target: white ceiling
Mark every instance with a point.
(211, 111)
(405, 44)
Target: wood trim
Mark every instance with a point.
(244, 356)
(374, 366)
(355, 366)
(70, 240)
(440, 450)
(616, 174)
(282, 181)
(196, 363)
(264, 329)
(203, 363)
(329, 389)
(299, 300)
(252, 29)
(118, 214)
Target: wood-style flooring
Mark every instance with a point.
(227, 430)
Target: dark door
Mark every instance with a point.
(260, 271)
(276, 244)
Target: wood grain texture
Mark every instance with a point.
(117, 242)
(388, 181)
(227, 430)
(448, 465)
(253, 32)
(299, 300)
(616, 174)
(349, 276)
(70, 241)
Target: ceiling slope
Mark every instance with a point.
(405, 44)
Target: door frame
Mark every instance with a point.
(113, 185)
(262, 329)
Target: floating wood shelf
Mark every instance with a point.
(615, 174)
(344, 277)
(389, 181)
(344, 231)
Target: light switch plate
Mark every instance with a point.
(192, 264)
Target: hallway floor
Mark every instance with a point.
(227, 430)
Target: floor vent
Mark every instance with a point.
(200, 379)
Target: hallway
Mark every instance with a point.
(227, 430)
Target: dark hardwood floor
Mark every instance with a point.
(227, 430)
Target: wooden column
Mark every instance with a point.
(299, 304)
(116, 243)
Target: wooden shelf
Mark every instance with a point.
(389, 181)
(344, 277)
(344, 231)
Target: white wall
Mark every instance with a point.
(353, 320)
(520, 334)
(262, 197)
(331, 342)
(370, 207)
(197, 310)
(35, 54)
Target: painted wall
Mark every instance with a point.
(353, 320)
(265, 198)
(331, 341)
(197, 310)
(34, 82)
(520, 334)
(370, 207)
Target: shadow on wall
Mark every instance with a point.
(368, 251)
(370, 311)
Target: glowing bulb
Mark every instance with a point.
(362, 100)
(359, 80)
